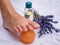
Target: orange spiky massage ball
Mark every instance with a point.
(27, 37)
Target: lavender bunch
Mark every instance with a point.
(45, 23)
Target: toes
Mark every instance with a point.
(35, 25)
(30, 27)
(19, 28)
(15, 29)
(24, 27)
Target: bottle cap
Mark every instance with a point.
(28, 4)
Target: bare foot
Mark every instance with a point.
(16, 23)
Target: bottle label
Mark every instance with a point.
(29, 15)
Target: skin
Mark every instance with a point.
(13, 21)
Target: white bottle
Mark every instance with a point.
(28, 10)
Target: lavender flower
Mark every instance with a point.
(45, 23)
